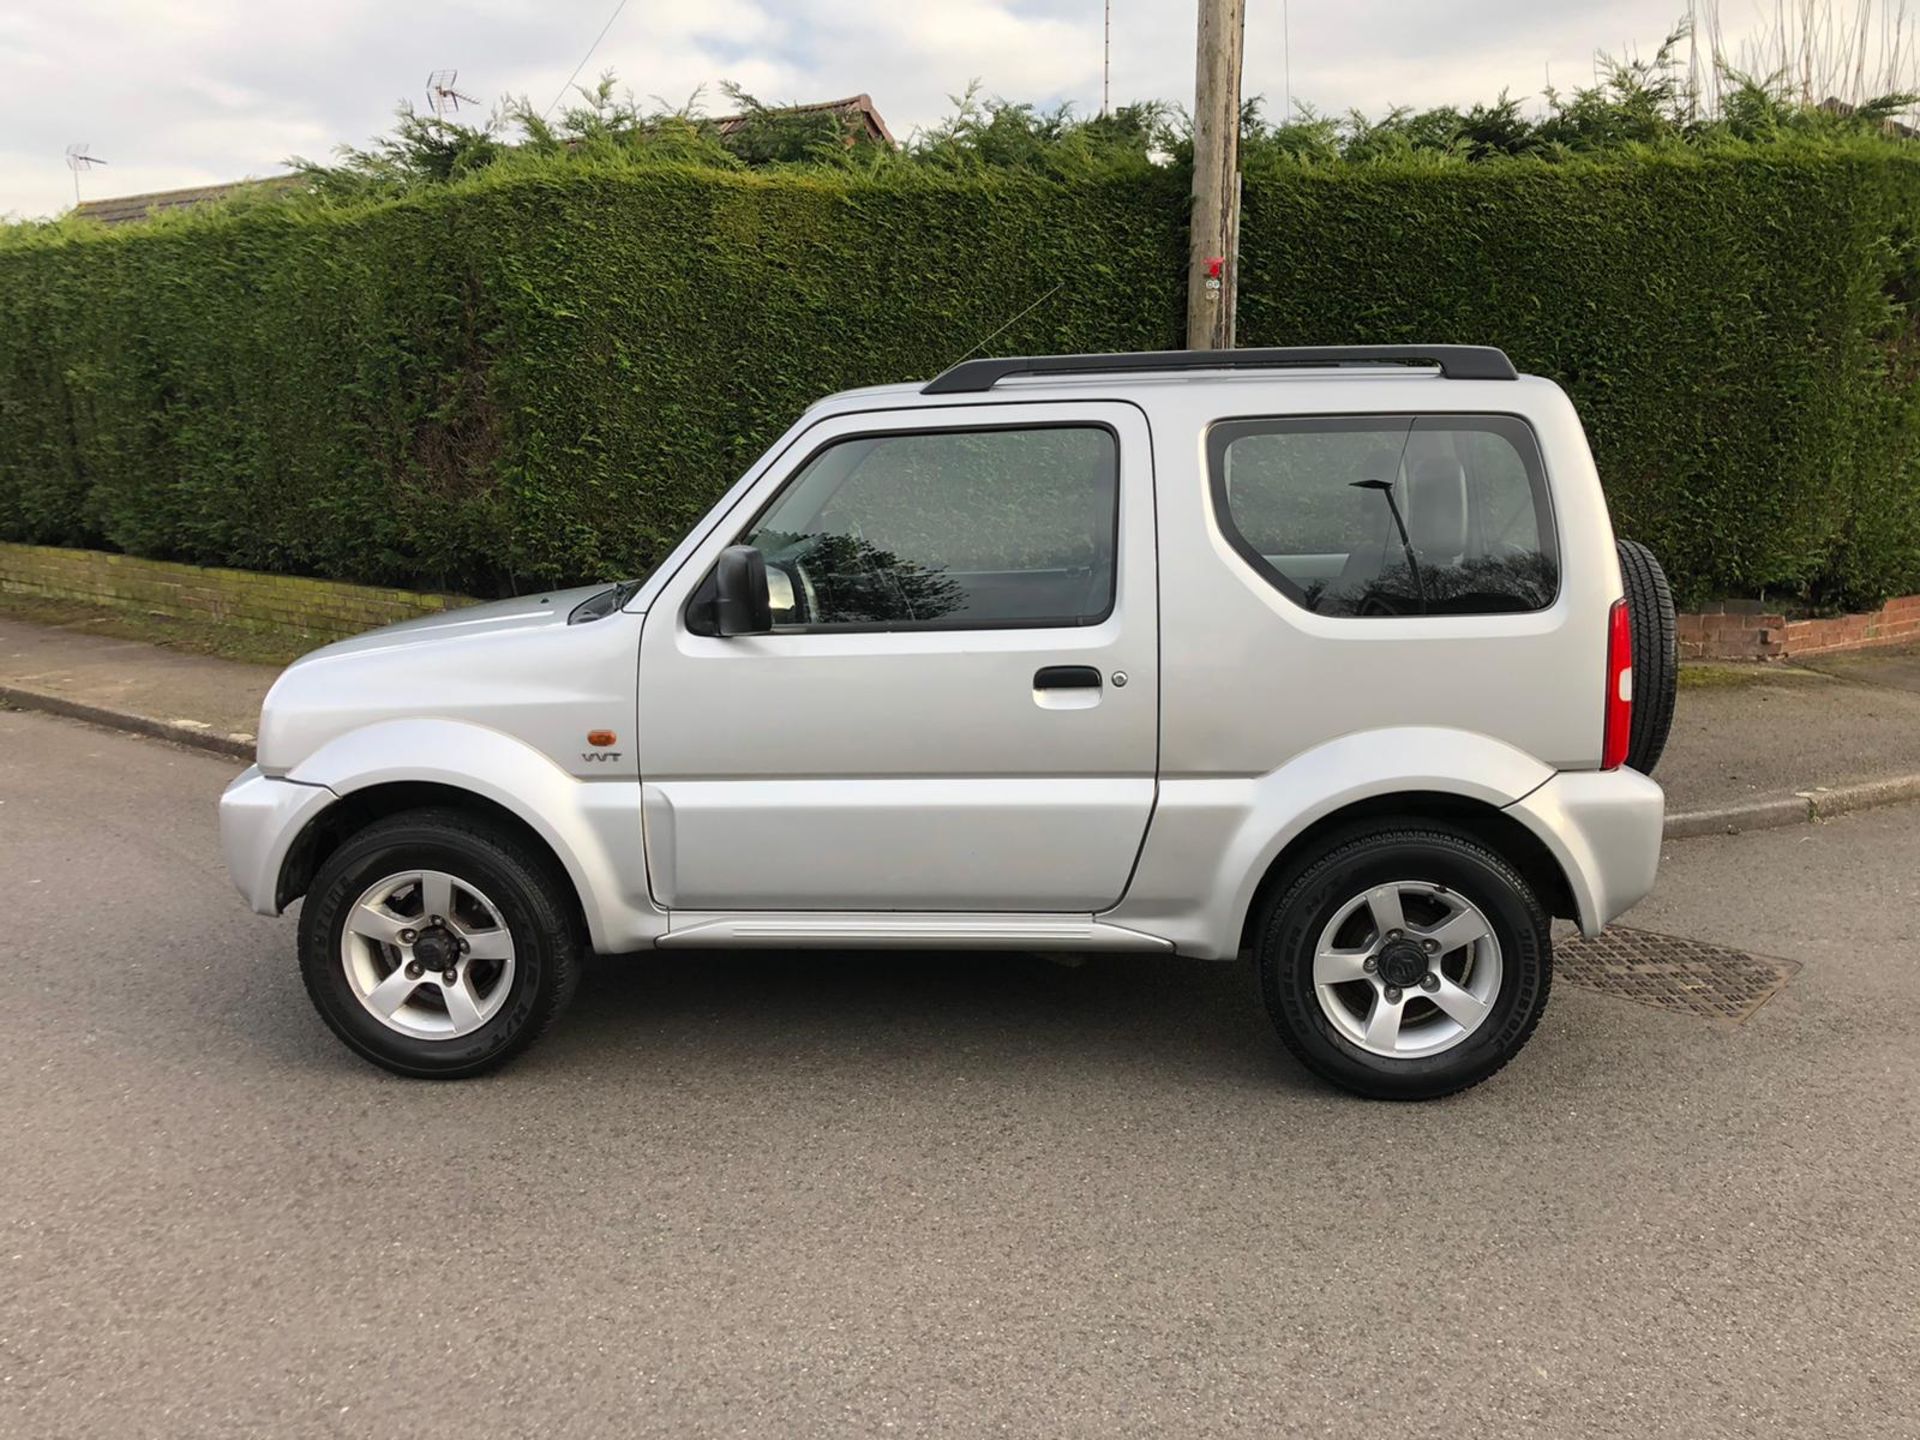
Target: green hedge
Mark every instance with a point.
(533, 378)
(1736, 331)
(522, 380)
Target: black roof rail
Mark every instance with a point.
(1456, 362)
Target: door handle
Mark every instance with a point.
(1066, 677)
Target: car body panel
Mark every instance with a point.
(592, 827)
(523, 612)
(261, 816)
(1214, 837)
(895, 929)
(904, 769)
(1534, 681)
(1604, 828)
(520, 669)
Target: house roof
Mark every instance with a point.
(858, 108)
(1834, 105)
(125, 209)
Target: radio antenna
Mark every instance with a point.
(442, 96)
(78, 160)
(980, 344)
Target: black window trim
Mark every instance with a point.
(1219, 435)
(693, 612)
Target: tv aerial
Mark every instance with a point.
(443, 98)
(78, 160)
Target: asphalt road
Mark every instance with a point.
(842, 1195)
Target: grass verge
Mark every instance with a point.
(224, 639)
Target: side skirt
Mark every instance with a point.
(900, 930)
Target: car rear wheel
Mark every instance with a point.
(1405, 964)
(436, 945)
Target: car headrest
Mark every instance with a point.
(1437, 507)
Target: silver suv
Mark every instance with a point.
(1318, 654)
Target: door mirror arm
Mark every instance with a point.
(742, 603)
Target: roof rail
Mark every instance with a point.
(1456, 362)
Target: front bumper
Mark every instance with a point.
(260, 818)
(1604, 828)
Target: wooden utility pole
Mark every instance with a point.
(1106, 60)
(1214, 237)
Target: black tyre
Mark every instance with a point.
(1405, 964)
(1656, 654)
(438, 946)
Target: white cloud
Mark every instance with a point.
(192, 91)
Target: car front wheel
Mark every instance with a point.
(436, 945)
(1406, 964)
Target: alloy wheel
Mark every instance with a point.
(1407, 969)
(427, 954)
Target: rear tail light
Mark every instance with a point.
(1613, 742)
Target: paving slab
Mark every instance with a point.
(1779, 730)
(1897, 669)
(96, 677)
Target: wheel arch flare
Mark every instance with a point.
(590, 828)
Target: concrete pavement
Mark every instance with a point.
(1768, 731)
(934, 1194)
(197, 699)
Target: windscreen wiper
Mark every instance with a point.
(1385, 487)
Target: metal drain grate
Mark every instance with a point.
(1672, 973)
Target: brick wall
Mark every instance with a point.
(316, 610)
(1747, 630)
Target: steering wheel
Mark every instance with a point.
(1384, 603)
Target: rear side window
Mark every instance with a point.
(949, 529)
(1391, 514)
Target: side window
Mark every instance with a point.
(1389, 515)
(954, 529)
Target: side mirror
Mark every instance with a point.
(742, 603)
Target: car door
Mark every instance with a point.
(956, 709)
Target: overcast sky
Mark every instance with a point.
(195, 91)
